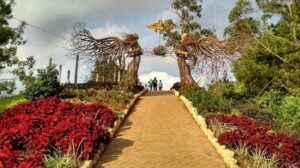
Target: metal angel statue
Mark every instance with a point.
(110, 49)
(205, 54)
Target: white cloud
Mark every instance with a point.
(103, 18)
(167, 79)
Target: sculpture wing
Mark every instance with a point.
(208, 48)
(106, 49)
(209, 56)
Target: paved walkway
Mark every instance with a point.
(160, 133)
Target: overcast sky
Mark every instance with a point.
(105, 18)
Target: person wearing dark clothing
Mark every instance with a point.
(154, 83)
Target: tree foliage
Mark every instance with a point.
(271, 58)
(10, 37)
(45, 85)
(189, 13)
(25, 71)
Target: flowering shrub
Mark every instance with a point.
(30, 130)
(254, 136)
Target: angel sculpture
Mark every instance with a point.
(110, 49)
(206, 54)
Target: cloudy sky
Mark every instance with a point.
(105, 18)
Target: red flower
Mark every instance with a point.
(39, 127)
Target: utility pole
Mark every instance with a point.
(60, 69)
(76, 70)
(69, 72)
(50, 62)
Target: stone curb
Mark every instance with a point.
(113, 131)
(226, 154)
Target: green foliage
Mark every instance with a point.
(256, 158)
(10, 37)
(46, 84)
(270, 100)
(256, 112)
(25, 71)
(228, 89)
(242, 8)
(287, 116)
(68, 160)
(106, 72)
(8, 102)
(7, 87)
(283, 109)
(271, 59)
(188, 11)
(207, 102)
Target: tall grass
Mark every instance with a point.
(69, 160)
(255, 159)
(218, 127)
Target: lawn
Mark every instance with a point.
(7, 102)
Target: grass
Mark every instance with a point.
(69, 160)
(8, 102)
(256, 158)
(219, 128)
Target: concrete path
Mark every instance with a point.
(160, 133)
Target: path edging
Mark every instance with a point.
(113, 131)
(226, 154)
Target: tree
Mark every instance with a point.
(25, 71)
(243, 28)
(10, 37)
(45, 85)
(197, 49)
(271, 58)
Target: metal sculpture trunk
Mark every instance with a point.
(186, 78)
(131, 80)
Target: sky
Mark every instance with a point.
(105, 18)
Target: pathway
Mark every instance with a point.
(160, 133)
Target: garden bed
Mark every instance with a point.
(226, 154)
(32, 130)
(55, 128)
(241, 141)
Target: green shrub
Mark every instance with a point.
(270, 100)
(254, 111)
(46, 84)
(229, 90)
(206, 102)
(287, 116)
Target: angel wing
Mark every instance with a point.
(106, 49)
(208, 55)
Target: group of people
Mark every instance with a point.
(153, 85)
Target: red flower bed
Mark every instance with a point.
(30, 130)
(254, 135)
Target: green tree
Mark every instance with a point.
(25, 71)
(243, 27)
(270, 60)
(10, 37)
(45, 85)
(189, 13)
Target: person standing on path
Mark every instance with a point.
(154, 83)
(150, 85)
(160, 85)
